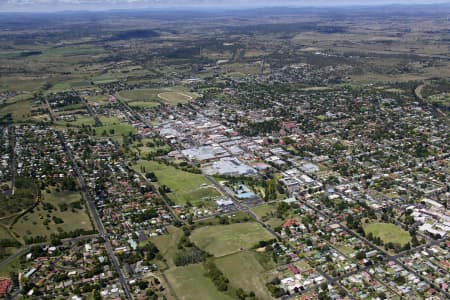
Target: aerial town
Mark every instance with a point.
(239, 178)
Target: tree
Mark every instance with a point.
(96, 294)
(360, 255)
(142, 284)
(282, 208)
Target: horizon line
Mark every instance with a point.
(86, 8)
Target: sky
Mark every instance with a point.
(55, 5)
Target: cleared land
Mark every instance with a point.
(149, 146)
(266, 213)
(189, 283)
(263, 210)
(40, 221)
(167, 244)
(244, 271)
(113, 127)
(4, 234)
(389, 233)
(13, 266)
(220, 240)
(185, 186)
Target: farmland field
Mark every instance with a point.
(220, 240)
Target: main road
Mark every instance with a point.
(98, 222)
(92, 209)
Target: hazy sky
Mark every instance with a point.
(45, 5)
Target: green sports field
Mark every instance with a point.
(389, 233)
(152, 97)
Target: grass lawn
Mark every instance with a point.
(4, 234)
(274, 222)
(189, 283)
(113, 127)
(234, 217)
(32, 224)
(244, 271)
(345, 250)
(78, 122)
(263, 210)
(19, 110)
(175, 97)
(99, 99)
(83, 121)
(263, 213)
(100, 80)
(185, 186)
(139, 95)
(145, 150)
(221, 240)
(172, 96)
(13, 266)
(167, 244)
(389, 233)
(22, 83)
(143, 104)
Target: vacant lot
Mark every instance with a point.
(150, 146)
(167, 244)
(189, 283)
(13, 266)
(40, 221)
(264, 210)
(185, 186)
(244, 271)
(113, 127)
(266, 213)
(389, 233)
(221, 240)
